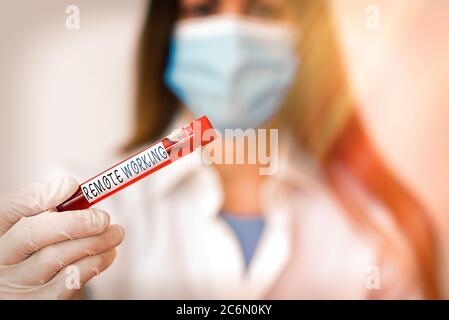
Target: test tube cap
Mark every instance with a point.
(207, 130)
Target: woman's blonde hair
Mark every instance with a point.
(321, 110)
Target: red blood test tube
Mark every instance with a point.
(178, 144)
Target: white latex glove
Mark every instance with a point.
(42, 252)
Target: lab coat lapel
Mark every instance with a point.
(213, 263)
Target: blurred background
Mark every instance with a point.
(66, 94)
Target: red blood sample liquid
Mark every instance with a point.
(178, 144)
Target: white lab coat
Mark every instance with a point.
(177, 246)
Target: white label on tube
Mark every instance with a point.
(124, 172)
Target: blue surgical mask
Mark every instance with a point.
(235, 70)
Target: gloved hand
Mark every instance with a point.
(50, 255)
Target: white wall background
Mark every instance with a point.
(65, 95)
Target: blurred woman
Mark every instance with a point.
(332, 223)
